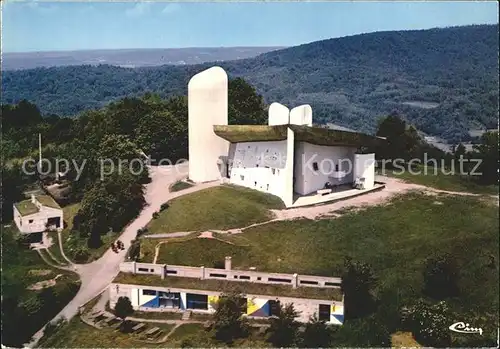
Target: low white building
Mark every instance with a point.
(38, 214)
(289, 158)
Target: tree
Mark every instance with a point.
(283, 329)
(487, 151)
(357, 282)
(402, 141)
(228, 321)
(246, 107)
(161, 135)
(441, 277)
(123, 307)
(428, 322)
(316, 334)
(363, 332)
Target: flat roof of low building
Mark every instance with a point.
(47, 200)
(313, 135)
(26, 207)
(324, 293)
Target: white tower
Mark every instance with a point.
(207, 106)
(278, 114)
(301, 115)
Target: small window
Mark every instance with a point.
(256, 165)
(171, 271)
(236, 276)
(30, 221)
(148, 292)
(307, 282)
(244, 277)
(259, 278)
(267, 187)
(143, 269)
(151, 270)
(315, 166)
(336, 168)
(217, 275)
(242, 177)
(279, 280)
(331, 284)
(255, 184)
(274, 171)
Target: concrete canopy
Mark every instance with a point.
(313, 135)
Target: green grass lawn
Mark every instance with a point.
(148, 246)
(395, 239)
(221, 207)
(55, 250)
(208, 252)
(180, 185)
(443, 182)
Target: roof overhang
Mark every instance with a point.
(313, 135)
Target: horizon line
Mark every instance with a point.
(246, 46)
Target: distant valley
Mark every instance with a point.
(129, 58)
(443, 81)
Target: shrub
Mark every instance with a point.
(364, 332)
(164, 206)
(316, 334)
(357, 282)
(228, 322)
(81, 254)
(155, 215)
(126, 326)
(441, 277)
(283, 329)
(123, 307)
(428, 322)
(142, 231)
(134, 250)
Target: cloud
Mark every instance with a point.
(139, 9)
(42, 8)
(171, 8)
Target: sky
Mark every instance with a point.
(57, 26)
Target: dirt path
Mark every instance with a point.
(59, 239)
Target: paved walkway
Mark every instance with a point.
(96, 276)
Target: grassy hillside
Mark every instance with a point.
(27, 307)
(444, 80)
(395, 239)
(222, 207)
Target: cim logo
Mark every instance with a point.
(461, 327)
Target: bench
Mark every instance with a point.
(138, 327)
(152, 331)
(323, 191)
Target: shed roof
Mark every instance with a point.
(313, 135)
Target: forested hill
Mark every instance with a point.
(445, 81)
